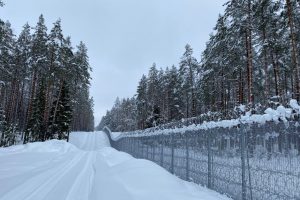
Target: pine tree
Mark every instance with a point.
(64, 115)
(246, 56)
(83, 119)
(36, 131)
(152, 87)
(83, 105)
(82, 65)
(61, 114)
(2, 126)
(33, 69)
(7, 43)
(154, 96)
(188, 70)
(290, 5)
(239, 15)
(23, 62)
(174, 94)
(142, 102)
(162, 101)
(39, 62)
(9, 135)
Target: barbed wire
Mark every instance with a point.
(250, 161)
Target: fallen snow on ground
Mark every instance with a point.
(115, 135)
(88, 169)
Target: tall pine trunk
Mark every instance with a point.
(32, 96)
(57, 102)
(276, 75)
(192, 92)
(240, 88)
(249, 55)
(22, 109)
(47, 108)
(265, 60)
(294, 52)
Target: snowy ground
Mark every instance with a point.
(88, 169)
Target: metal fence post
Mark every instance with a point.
(243, 163)
(209, 160)
(153, 150)
(142, 150)
(225, 159)
(162, 151)
(187, 157)
(137, 146)
(124, 145)
(247, 157)
(172, 154)
(147, 156)
(135, 152)
(131, 146)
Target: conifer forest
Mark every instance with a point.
(252, 58)
(44, 84)
(200, 98)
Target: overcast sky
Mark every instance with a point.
(124, 37)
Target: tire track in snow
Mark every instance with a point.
(82, 186)
(43, 181)
(74, 171)
(33, 173)
(92, 173)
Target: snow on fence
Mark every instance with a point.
(247, 161)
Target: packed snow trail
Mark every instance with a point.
(88, 169)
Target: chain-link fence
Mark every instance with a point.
(246, 162)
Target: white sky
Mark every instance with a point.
(124, 37)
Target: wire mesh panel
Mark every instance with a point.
(245, 162)
(224, 146)
(273, 161)
(198, 158)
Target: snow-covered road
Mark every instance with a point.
(88, 169)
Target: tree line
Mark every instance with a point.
(44, 84)
(251, 58)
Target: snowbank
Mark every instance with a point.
(40, 147)
(115, 135)
(70, 173)
(128, 178)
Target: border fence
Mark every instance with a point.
(250, 161)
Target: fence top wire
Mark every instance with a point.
(260, 151)
(270, 154)
(281, 114)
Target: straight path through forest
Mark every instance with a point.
(87, 168)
